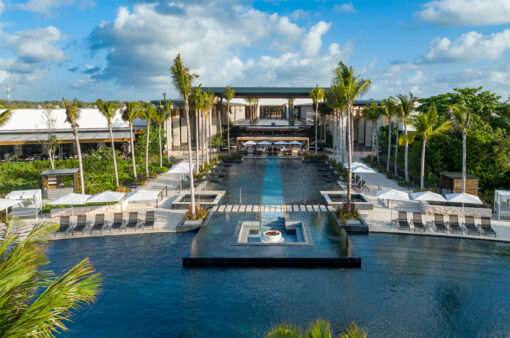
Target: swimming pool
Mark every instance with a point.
(408, 286)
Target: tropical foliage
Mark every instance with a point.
(317, 329)
(35, 302)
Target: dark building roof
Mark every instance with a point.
(457, 175)
(60, 172)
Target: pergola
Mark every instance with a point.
(273, 139)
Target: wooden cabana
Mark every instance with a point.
(54, 182)
(451, 183)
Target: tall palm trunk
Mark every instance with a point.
(169, 140)
(406, 153)
(342, 138)
(396, 153)
(80, 161)
(113, 154)
(210, 134)
(373, 142)
(132, 142)
(228, 127)
(147, 149)
(160, 147)
(422, 172)
(349, 157)
(190, 157)
(464, 137)
(202, 138)
(220, 115)
(389, 147)
(197, 141)
(316, 126)
(376, 131)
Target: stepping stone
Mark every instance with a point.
(249, 208)
(235, 208)
(256, 208)
(214, 209)
(302, 208)
(315, 208)
(222, 208)
(323, 208)
(242, 208)
(228, 208)
(296, 208)
(331, 208)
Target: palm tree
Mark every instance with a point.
(129, 114)
(316, 94)
(462, 120)
(183, 82)
(109, 109)
(352, 87)
(72, 116)
(426, 127)
(398, 114)
(36, 302)
(195, 101)
(147, 112)
(229, 95)
(5, 116)
(388, 108)
(208, 104)
(340, 99)
(373, 113)
(160, 117)
(167, 106)
(319, 328)
(406, 108)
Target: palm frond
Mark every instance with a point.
(353, 331)
(285, 331)
(5, 116)
(319, 329)
(229, 93)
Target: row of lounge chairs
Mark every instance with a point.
(453, 226)
(118, 223)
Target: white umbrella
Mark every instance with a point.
(392, 195)
(427, 196)
(281, 143)
(463, 198)
(72, 199)
(250, 143)
(296, 143)
(265, 143)
(363, 170)
(142, 196)
(106, 196)
(355, 164)
(6, 203)
(180, 168)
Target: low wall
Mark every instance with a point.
(430, 209)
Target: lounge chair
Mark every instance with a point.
(402, 221)
(98, 224)
(118, 221)
(439, 223)
(81, 224)
(64, 225)
(454, 225)
(418, 222)
(486, 227)
(469, 223)
(150, 219)
(133, 220)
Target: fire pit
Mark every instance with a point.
(272, 236)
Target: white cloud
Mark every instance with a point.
(212, 37)
(469, 47)
(344, 8)
(2, 7)
(43, 6)
(34, 50)
(466, 12)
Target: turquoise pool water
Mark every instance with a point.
(409, 286)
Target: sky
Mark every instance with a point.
(123, 50)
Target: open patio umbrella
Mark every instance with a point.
(392, 195)
(6, 203)
(106, 196)
(265, 143)
(463, 198)
(427, 196)
(281, 143)
(363, 170)
(71, 199)
(250, 143)
(180, 168)
(296, 143)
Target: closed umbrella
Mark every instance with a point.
(392, 195)
(427, 196)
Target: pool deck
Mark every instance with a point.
(378, 219)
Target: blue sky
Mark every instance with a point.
(123, 50)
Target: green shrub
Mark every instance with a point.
(345, 214)
(200, 213)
